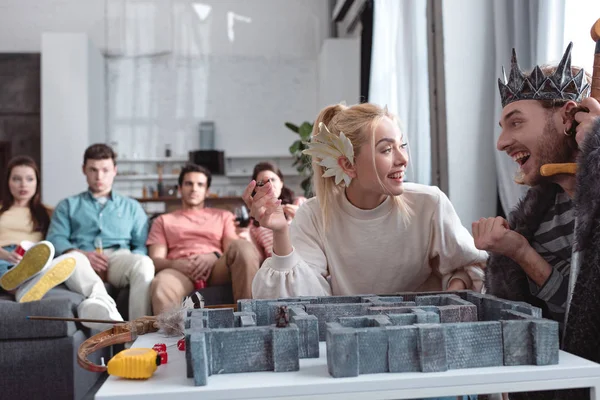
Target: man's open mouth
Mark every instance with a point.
(521, 157)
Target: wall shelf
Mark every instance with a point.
(239, 175)
(260, 157)
(146, 177)
(152, 160)
(149, 177)
(174, 177)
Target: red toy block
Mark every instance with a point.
(164, 357)
(159, 347)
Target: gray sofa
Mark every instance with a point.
(38, 359)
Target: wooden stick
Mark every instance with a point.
(99, 321)
(595, 31)
(555, 169)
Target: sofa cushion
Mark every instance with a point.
(46, 368)
(59, 302)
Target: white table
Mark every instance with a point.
(313, 381)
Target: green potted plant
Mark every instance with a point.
(302, 161)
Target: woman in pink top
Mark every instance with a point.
(262, 237)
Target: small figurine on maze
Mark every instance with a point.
(282, 318)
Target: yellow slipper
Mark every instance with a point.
(34, 260)
(59, 271)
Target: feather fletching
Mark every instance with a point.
(327, 148)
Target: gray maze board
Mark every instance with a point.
(367, 334)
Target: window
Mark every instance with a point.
(580, 15)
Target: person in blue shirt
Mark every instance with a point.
(110, 229)
(27, 267)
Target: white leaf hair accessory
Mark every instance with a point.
(327, 148)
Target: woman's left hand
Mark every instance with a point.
(14, 258)
(10, 256)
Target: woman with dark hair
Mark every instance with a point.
(27, 265)
(268, 172)
(23, 217)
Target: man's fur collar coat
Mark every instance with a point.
(506, 279)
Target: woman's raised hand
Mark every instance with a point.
(265, 207)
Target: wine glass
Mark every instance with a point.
(242, 216)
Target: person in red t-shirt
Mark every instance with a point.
(197, 245)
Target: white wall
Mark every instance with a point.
(339, 72)
(470, 91)
(22, 22)
(96, 67)
(72, 114)
(249, 66)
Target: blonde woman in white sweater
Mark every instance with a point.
(366, 230)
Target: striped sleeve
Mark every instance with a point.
(554, 290)
(263, 238)
(553, 240)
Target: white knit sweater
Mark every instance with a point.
(372, 252)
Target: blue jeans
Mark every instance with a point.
(6, 265)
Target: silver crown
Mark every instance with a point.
(537, 86)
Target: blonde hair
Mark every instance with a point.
(358, 123)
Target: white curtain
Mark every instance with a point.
(535, 28)
(399, 77)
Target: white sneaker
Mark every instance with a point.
(51, 276)
(99, 308)
(26, 244)
(33, 262)
(193, 301)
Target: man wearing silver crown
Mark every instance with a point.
(548, 253)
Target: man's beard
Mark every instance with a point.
(553, 148)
